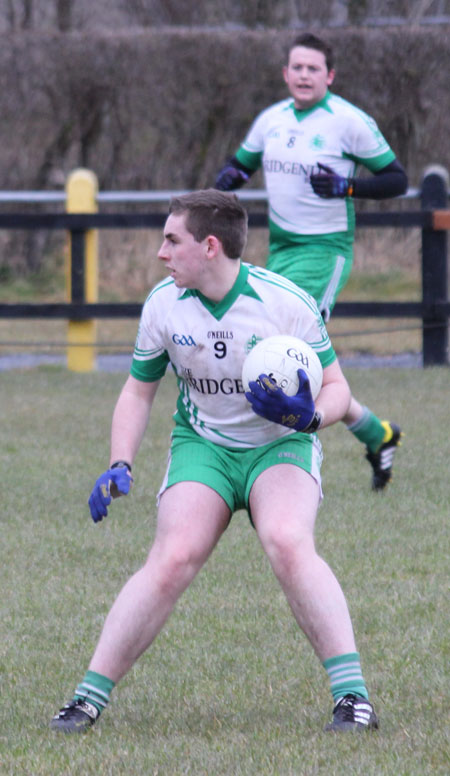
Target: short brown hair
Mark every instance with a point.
(219, 213)
(308, 40)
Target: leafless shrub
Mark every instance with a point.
(161, 108)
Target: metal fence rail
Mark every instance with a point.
(432, 218)
(133, 197)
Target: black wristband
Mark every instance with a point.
(120, 465)
(316, 422)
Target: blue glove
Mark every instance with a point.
(230, 178)
(329, 184)
(270, 401)
(110, 484)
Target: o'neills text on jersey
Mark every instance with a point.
(220, 335)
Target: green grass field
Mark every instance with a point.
(231, 686)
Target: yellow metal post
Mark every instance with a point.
(81, 197)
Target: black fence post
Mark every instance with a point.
(77, 269)
(434, 270)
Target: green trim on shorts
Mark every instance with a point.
(232, 472)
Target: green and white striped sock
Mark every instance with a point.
(345, 676)
(95, 688)
(369, 430)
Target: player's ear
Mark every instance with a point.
(285, 74)
(213, 245)
(330, 77)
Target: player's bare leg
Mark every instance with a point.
(191, 520)
(354, 412)
(284, 501)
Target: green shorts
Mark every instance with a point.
(321, 269)
(231, 472)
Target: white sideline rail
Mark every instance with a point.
(250, 195)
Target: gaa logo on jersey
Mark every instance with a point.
(183, 339)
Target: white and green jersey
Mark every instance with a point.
(206, 343)
(288, 144)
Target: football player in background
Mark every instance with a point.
(309, 147)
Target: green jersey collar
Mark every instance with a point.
(218, 309)
(303, 114)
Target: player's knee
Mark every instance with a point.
(175, 567)
(288, 550)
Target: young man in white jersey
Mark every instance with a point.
(230, 450)
(309, 147)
